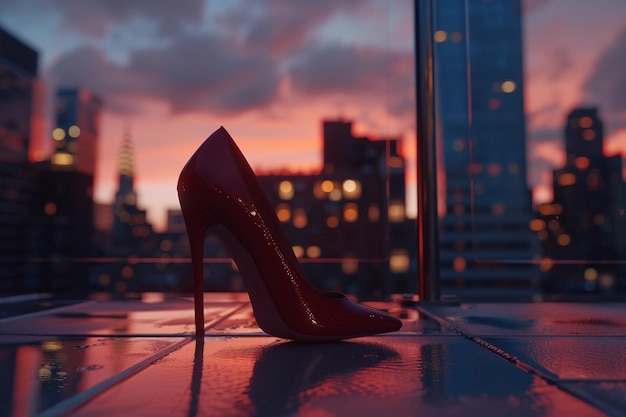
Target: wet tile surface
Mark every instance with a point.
(400, 376)
(565, 319)
(607, 396)
(169, 317)
(585, 358)
(121, 357)
(17, 306)
(39, 373)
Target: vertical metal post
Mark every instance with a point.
(427, 219)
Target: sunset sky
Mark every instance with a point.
(270, 71)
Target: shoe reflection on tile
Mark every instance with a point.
(287, 375)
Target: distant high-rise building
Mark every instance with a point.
(584, 228)
(18, 179)
(479, 76)
(76, 132)
(18, 70)
(129, 221)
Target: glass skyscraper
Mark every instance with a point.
(486, 245)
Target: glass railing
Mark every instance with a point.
(534, 189)
(98, 119)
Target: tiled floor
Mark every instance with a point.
(139, 358)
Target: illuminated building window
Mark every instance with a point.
(127, 272)
(285, 190)
(332, 222)
(459, 209)
(313, 251)
(598, 219)
(130, 199)
(298, 251)
(475, 169)
(537, 225)
(589, 134)
(591, 274)
(318, 191)
(58, 134)
(585, 122)
(554, 225)
(494, 169)
(328, 186)
(606, 280)
(508, 86)
(563, 239)
(550, 209)
(399, 261)
(494, 104)
(283, 212)
(299, 218)
(456, 37)
(582, 163)
(62, 159)
(350, 212)
(396, 212)
(459, 264)
(396, 162)
(458, 145)
(74, 131)
(104, 279)
(120, 286)
(335, 195)
(546, 264)
(542, 235)
(440, 36)
(349, 266)
(124, 216)
(50, 208)
(566, 179)
(373, 213)
(498, 209)
(351, 189)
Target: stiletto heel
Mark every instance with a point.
(197, 222)
(217, 187)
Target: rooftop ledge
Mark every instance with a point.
(88, 358)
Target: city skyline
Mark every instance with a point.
(292, 89)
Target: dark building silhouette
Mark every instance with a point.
(18, 179)
(583, 230)
(480, 102)
(64, 217)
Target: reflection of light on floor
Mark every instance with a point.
(25, 389)
(152, 297)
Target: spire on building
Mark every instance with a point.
(126, 163)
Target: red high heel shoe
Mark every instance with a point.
(218, 188)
